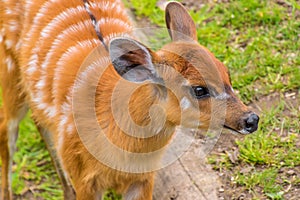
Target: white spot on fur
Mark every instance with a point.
(9, 63)
(70, 128)
(32, 66)
(222, 96)
(13, 26)
(50, 111)
(41, 84)
(40, 105)
(1, 37)
(60, 141)
(37, 99)
(66, 111)
(185, 103)
(133, 192)
(8, 44)
(61, 125)
(30, 70)
(243, 131)
(61, 131)
(18, 45)
(8, 11)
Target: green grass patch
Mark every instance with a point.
(257, 40)
(266, 179)
(33, 170)
(274, 144)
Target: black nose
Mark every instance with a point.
(251, 123)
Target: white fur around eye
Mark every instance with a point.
(222, 96)
(185, 103)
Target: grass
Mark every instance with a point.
(259, 42)
(34, 176)
(255, 35)
(275, 143)
(271, 150)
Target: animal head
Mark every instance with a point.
(191, 85)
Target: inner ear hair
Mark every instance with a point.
(132, 60)
(179, 23)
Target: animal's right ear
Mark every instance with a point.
(179, 22)
(132, 60)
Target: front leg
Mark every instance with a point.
(68, 190)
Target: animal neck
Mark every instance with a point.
(129, 114)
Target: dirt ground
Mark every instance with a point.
(227, 144)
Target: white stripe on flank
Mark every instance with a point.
(60, 141)
(37, 100)
(41, 84)
(32, 64)
(56, 45)
(59, 38)
(39, 15)
(30, 70)
(62, 124)
(18, 45)
(65, 108)
(60, 18)
(108, 7)
(113, 21)
(70, 128)
(50, 111)
(13, 25)
(110, 36)
(61, 130)
(27, 7)
(60, 65)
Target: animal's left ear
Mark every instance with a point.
(179, 22)
(132, 60)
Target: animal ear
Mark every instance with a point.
(132, 60)
(180, 24)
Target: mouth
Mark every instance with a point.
(243, 131)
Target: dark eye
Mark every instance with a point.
(200, 92)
